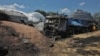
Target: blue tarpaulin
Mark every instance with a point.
(77, 22)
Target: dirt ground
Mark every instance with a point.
(23, 40)
(87, 44)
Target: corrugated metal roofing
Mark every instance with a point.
(80, 14)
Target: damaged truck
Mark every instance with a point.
(62, 26)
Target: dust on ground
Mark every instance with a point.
(23, 40)
(87, 44)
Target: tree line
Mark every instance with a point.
(96, 15)
(46, 13)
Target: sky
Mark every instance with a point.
(62, 6)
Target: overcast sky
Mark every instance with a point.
(63, 6)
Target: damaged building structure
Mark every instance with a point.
(82, 21)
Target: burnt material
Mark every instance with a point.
(3, 51)
(4, 16)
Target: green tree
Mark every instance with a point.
(52, 13)
(97, 16)
(41, 11)
(46, 13)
